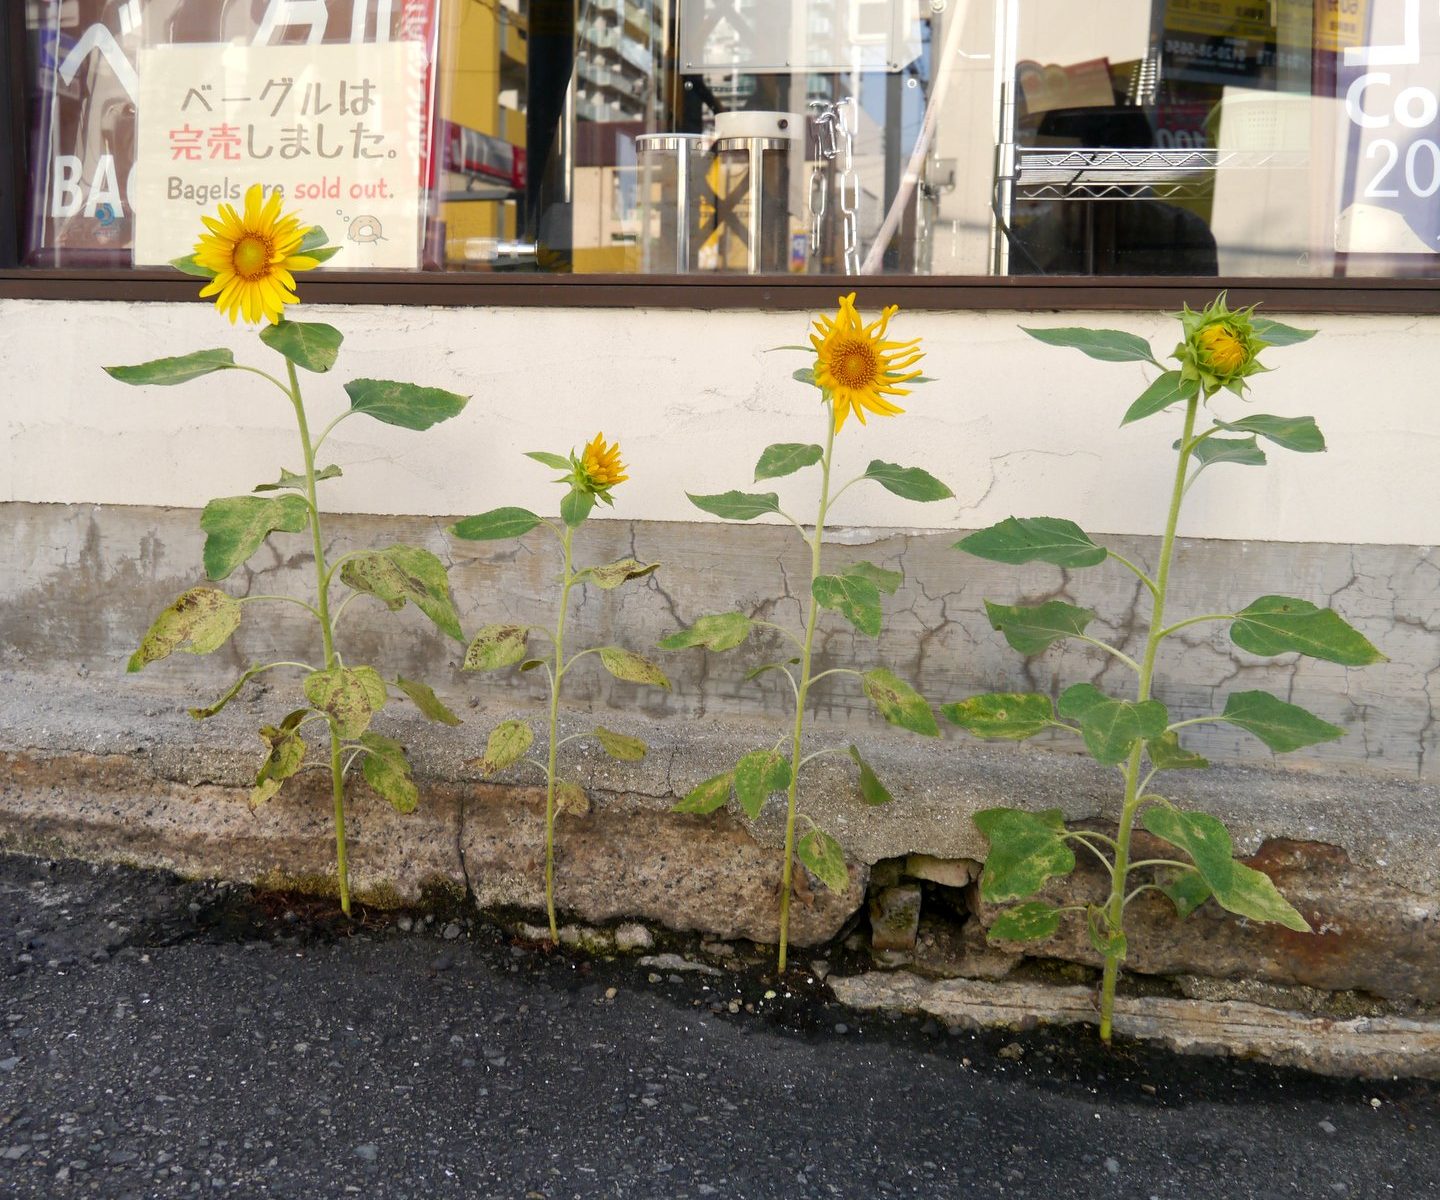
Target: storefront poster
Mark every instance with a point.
(336, 129)
(1390, 181)
(85, 158)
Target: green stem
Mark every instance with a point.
(1139, 574)
(838, 671)
(327, 633)
(802, 691)
(1169, 629)
(557, 676)
(283, 599)
(1116, 905)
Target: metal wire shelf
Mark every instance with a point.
(1089, 173)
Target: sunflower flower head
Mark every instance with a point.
(598, 468)
(856, 367)
(1221, 347)
(253, 256)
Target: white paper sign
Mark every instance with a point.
(337, 128)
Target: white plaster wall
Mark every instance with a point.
(1011, 425)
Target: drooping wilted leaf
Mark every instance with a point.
(289, 481)
(285, 756)
(632, 667)
(872, 791)
(721, 631)
(387, 770)
(496, 646)
(612, 575)
(506, 746)
(708, 796)
(825, 858)
(400, 573)
(619, 745)
(899, 703)
(350, 696)
(198, 622)
(425, 699)
(571, 800)
(1167, 754)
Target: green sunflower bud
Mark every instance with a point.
(1221, 347)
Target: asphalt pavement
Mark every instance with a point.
(164, 1038)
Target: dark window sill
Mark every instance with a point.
(808, 293)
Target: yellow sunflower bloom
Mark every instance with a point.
(254, 257)
(601, 466)
(857, 367)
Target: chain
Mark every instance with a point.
(835, 137)
(849, 185)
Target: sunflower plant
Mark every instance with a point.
(857, 370)
(588, 478)
(1218, 352)
(250, 258)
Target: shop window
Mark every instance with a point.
(1245, 139)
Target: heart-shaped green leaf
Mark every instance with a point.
(400, 573)
(1035, 539)
(1111, 727)
(1031, 629)
(403, 404)
(899, 703)
(387, 770)
(1011, 716)
(910, 483)
(1237, 888)
(1281, 726)
(786, 458)
(167, 372)
(1107, 345)
(823, 855)
(1281, 625)
(757, 776)
(720, 631)
(496, 525)
(1026, 849)
(576, 507)
(237, 526)
(854, 598)
(632, 667)
(1187, 891)
(197, 622)
(309, 345)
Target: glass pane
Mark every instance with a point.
(1240, 138)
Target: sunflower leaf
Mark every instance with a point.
(167, 372)
(236, 526)
(403, 404)
(910, 483)
(785, 458)
(307, 344)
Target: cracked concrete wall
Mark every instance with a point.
(1012, 426)
(80, 584)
